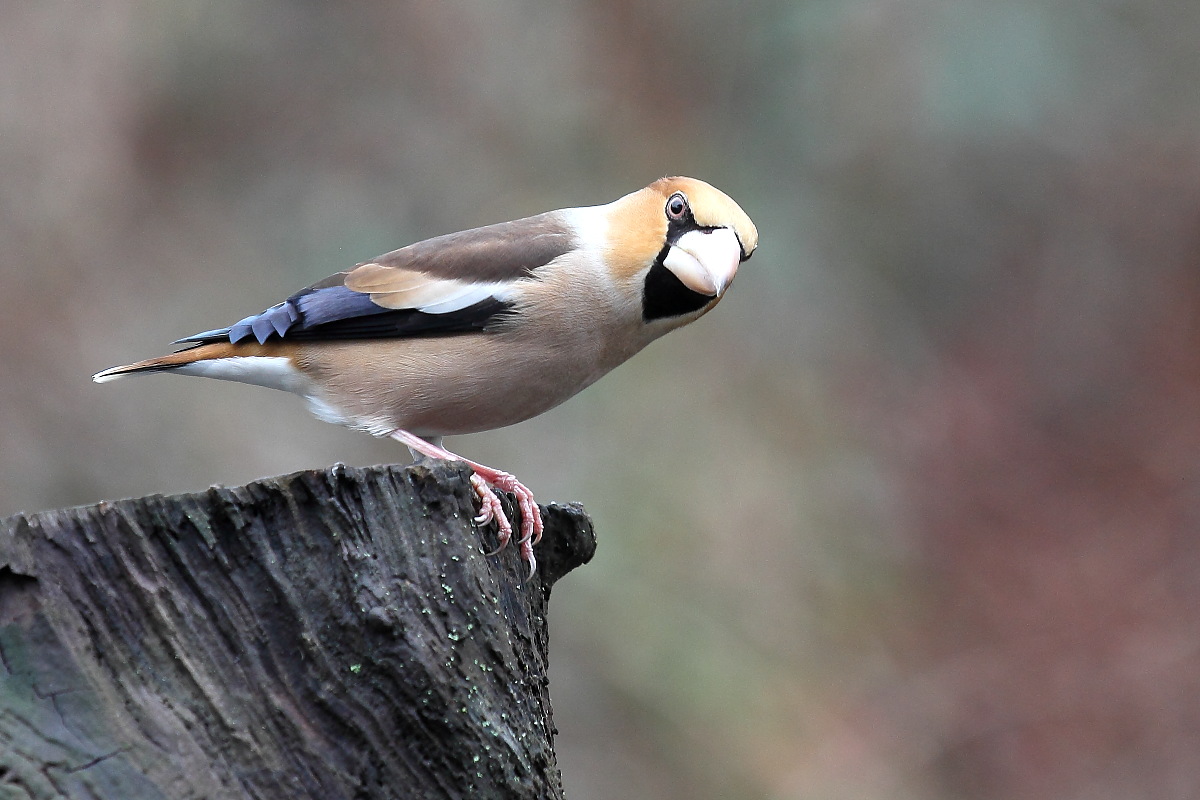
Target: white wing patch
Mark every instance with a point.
(440, 296)
(391, 287)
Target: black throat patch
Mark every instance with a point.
(664, 295)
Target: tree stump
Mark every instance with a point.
(328, 634)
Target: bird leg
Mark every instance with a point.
(485, 480)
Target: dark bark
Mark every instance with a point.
(328, 634)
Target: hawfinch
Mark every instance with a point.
(488, 327)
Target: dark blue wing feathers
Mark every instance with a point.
(332, 304)
(335, 312)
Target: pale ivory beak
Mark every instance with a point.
(705, 261)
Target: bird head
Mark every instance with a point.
(684, 240)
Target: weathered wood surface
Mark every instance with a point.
(328, 634)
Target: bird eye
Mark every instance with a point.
(677, 206)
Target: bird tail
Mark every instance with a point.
(166, 363)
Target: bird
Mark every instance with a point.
(485, 328)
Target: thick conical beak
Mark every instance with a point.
(705, 261)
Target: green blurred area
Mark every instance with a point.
(912, 514)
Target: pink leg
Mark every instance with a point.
(483, 480)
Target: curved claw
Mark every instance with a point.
(486, 512)
(489, 509)
(528, 557)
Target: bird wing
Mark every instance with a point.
(457, 283)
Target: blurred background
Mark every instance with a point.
(915, 513)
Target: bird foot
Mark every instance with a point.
(485, 481)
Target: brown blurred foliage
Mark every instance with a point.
(912, 514)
